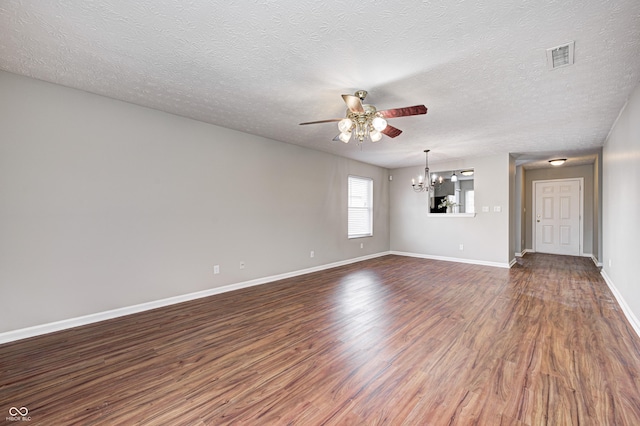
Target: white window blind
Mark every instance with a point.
(360, 215)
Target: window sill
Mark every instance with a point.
(451, 214)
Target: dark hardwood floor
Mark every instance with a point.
(393, 340)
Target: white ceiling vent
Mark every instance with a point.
(560, 56)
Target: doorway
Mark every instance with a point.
(557, 216)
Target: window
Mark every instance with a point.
(360, 214)
(469, 201)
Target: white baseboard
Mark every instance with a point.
(454, 259)
(38, 330)
(633, 320)
(595, 260)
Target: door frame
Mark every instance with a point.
(581, 210)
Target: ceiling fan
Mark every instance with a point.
(364, 121)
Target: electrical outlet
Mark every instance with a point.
(241, 265)
(461, 246)
(216, 269)
(361, 245)
(312, 254)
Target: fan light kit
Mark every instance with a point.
(364, 121)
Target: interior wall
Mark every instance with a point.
(621, 204)
(105, 204)
(563, 172)
(485, 237)
(519, 203)
(597, 208)
(513, 204)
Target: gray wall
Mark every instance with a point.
(621, 204)
(485, 238)
(513, 212)
(518, 214)
(105, 204)
(563, 172)
(597, 208)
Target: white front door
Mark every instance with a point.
(557, 216)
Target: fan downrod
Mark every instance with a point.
(361, 94)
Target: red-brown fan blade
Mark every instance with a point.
(331, 120)
(403, 112)
(353, 103)
(391, 131)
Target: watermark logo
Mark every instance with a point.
(18, 415)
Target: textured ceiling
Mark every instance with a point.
(263, 66)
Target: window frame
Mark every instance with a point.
(351, 234)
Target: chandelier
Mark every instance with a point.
(424, 183)
(362, 125)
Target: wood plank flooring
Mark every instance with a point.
(393, 340)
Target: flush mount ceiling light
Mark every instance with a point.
(364, 121)
(560, 56)
(557, 161)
